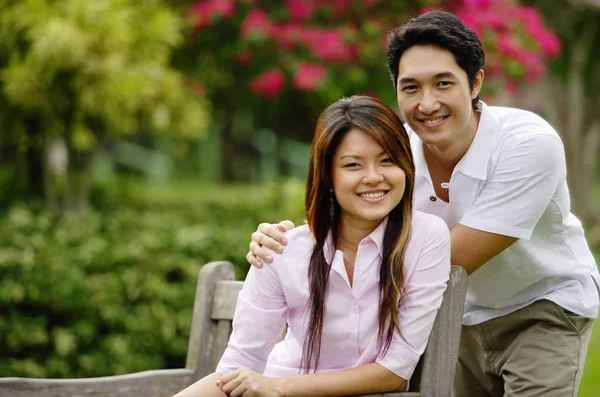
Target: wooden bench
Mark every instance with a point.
(216, 296)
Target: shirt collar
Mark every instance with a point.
(376, 237)
(475, 162)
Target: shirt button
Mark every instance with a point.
(432, 198)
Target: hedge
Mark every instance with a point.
(111, 291)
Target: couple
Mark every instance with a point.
(494, 176)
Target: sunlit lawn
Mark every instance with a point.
(590, 383)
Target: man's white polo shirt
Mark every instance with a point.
(512, 181)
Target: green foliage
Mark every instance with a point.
(111, 291)
(91, 67)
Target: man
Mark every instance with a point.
(497, 177)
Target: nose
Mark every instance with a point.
(429, 103)
(373, 175)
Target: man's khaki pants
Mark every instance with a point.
(536, 351)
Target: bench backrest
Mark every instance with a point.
(216, 297)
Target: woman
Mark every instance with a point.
(363, 248)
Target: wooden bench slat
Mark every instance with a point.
(155, 383)
(226, 294)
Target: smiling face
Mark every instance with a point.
(366, 182)
(434, 96)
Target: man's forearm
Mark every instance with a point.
(369, 378)
(472, 248)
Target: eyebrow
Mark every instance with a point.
(354, 156)
(441, 75)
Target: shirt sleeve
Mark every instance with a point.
(260, 316)
(422, 299)
(522, 184)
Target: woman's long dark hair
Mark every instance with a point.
(375, 118)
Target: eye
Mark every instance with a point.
(387, 160)
(445, 84)
(352, 165)
(409, 88)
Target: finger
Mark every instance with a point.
(240, 390)
(258, 250)
(232, 384)
(229, 377)
(284, 226)
(253, 260)
(269, 236)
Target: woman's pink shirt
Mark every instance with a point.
(278, 294)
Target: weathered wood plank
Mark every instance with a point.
(201, 347)
(221, 340)
(157, 383)
(435, 374)
(226, 294)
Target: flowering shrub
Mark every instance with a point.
(297, 43)
(515, 40)
(268, 84)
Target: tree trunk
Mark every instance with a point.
(565, 107)
(227, 145)
(78, 175)
(34, 156)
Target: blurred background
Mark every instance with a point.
(141, 139)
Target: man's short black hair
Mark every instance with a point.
(443, 30)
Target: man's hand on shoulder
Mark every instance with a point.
(268, 235)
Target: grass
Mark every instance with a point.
(590, 382)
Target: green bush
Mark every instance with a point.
(111, 291)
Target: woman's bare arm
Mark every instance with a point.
(365, 379)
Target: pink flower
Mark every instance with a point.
(549, 44)
(478, 5)
(328, 46)
(471, 20)
(202, 13)
(506, 45)
(494, 20)
(287, 35)
(534, 66)
(426, 9)
(309, 76)
(269, 84)
(205, 12)
(256, 23)
(223, 7)
(530, 16)
(300, 10)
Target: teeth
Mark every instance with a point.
(372, 195)
(433, 121)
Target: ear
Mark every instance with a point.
(477, 83)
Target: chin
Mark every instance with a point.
(375, 217)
